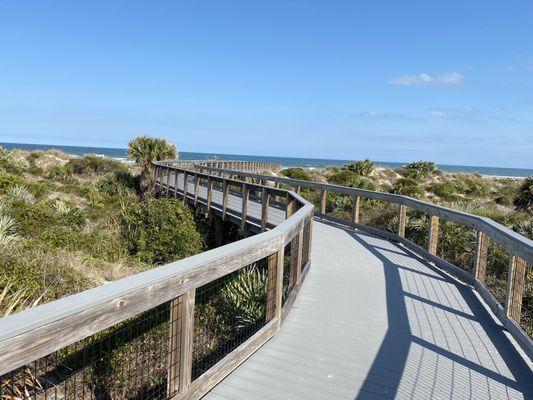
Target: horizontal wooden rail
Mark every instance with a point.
(519, 247)
(38, 332)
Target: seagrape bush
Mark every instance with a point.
(297, 173)
(160, 230)
(361, 167)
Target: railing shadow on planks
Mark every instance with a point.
(495, 260)
(177, 330)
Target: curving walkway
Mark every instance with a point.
(373, 321)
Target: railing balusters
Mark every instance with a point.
(433, 238)
(356, 201)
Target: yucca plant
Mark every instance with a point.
(8, 236)
(62, 207)
(20, 192)
(243, 297)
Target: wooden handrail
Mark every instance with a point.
(35, 333)
(519, 247)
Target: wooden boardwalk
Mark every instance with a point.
(373, 320)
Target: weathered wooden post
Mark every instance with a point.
(515, 288)
(168, 180)
(244, 212)
(480, 257)
(209, 194)
(225, 190)
(175, 183)
(181, 341)
(275, 285)
(185, 186)
(323, 200)
(264, 208)
(290, 206)
(355, 208)
(402, 219)
(433, 238)
(196, 189)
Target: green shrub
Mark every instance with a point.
(348, 178)
(524, 198)
(160, 230)
(445, 190)
(58, 173)
(10, 163)
(420, 169)
(118, 183)
(297, 173)
(361, 167)
(408, 187)
(8, 180)
(92, 164)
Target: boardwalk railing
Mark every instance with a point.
(173, 331)
(506, 286)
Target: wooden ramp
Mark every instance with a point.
(374, 321)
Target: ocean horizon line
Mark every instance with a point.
(304, 162)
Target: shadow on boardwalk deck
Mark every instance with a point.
(374, 321)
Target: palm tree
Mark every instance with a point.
(145, 149)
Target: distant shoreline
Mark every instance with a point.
(286, 162)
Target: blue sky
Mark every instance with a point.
(393, 81)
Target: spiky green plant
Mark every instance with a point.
(8, 236)
(243, 297)
(62, 207)
(20, 192)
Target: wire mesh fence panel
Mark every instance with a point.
(526, 322)
(305, 244)
(227, 312)
(378, 214)
(496, 271)
(129, 360)
(457, 245)
(417, 227)
(290, 261)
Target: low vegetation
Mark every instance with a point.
(71, 223)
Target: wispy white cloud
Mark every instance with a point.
(449, 78)
(527, 66)
(454, 113)
(386, 116)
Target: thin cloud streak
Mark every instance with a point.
(449, 78)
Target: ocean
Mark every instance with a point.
(284, 161)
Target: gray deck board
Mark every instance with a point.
(374, 321)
